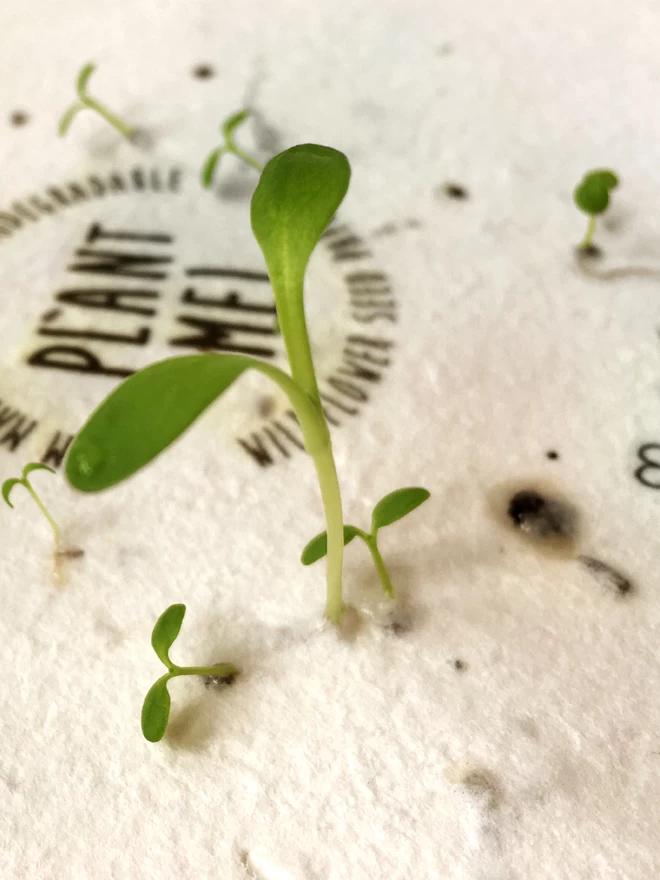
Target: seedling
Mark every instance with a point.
(228, 128)
(298, 194)
(86, 102)
(8, 485)
(156, 706)
(592, 195)
(389, 509)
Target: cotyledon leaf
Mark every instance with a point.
(148, 411)
(396, 505)
(156, 710)
(317, 548)
(297, 196)
(165, 632)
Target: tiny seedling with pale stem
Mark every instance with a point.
(592, 196)
(298, 194)
(389, 509)
(156, 706)
(8, 485)
(228, 128)
(86, 102)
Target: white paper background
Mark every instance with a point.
(333, 759)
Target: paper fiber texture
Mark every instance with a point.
(510, 730)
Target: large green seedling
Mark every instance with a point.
(297, 196)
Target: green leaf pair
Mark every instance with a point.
(389, 509)
(592, 196)
(86, 102)
(157, 703)
(228, 128)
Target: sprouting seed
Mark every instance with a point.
(8, 485)
(86, 102)
(228, 128)
(592, 195)
(389, 509)
(156, 706)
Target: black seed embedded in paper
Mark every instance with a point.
(220, 680)
(203, 71)
(456, 191)
(541, 516)
(19, 118)
(591, 252)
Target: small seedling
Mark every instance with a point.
(156, 706)
(8, 485)
(389, 509)
(228, 128)
(298, 194)
(592, 195)
(86, 102)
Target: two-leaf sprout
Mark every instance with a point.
(389, 509)
(85, 102)
(298, 194)
(227, 129)
(156, 706)
(8, 485)
(592, 196)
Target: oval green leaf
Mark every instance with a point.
(67, 118)
(148, 411)
(592, 195)
(7, 486)
(167, 628)
(297, 196)
(608, 178)
(156, 711)
(396, 505)
(318, 546)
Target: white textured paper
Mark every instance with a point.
(373, 757)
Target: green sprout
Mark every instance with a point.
(592, 196)
(86, 102)
(389, 509)
(8, 485)
(156, 706)
(228, 128)
(298, 194)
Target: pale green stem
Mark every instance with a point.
(331, 497)
(42, 508)
(110, 117)
(588, 238)
(245, 157)
(371, 540)
(221, 670)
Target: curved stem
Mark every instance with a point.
(42, 508)
(588, 238)
(110, 117)
(371, 540)
(245, 157)
(386, 583)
